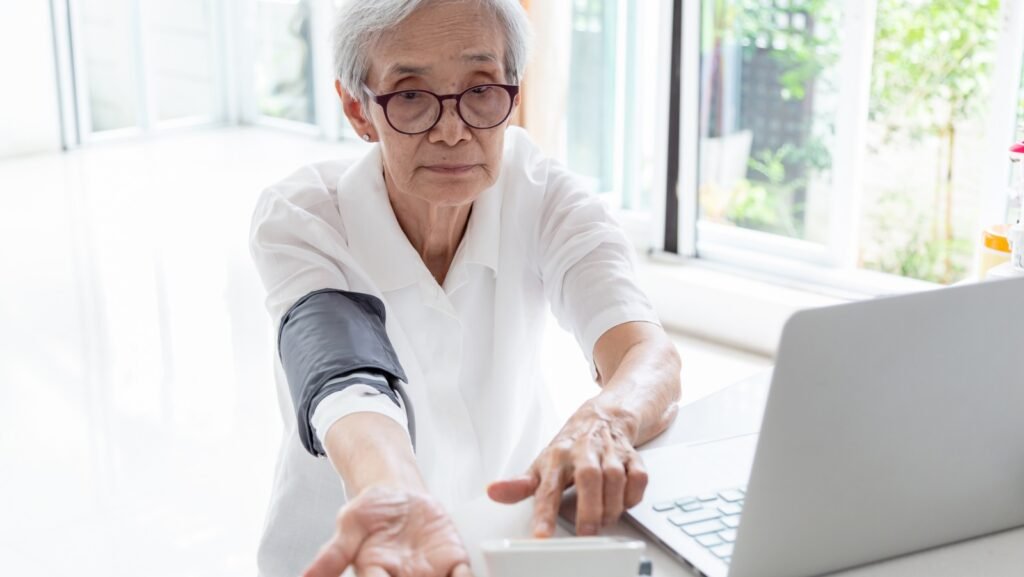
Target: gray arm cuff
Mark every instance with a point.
(324, 337)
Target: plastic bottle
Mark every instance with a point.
(1014, 268)
(995, 249)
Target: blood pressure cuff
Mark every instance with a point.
(327, 335)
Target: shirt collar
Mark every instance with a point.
(379, 244)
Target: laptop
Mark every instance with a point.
(892, 426)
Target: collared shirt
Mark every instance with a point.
(470, 348)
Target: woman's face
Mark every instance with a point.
(445, 48)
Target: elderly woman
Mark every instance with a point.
(410, 291)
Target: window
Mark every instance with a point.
(615, 76)
(930, 91)
(841, 135)
(769, 90)
(105, 36)
(591, 120)
(145, 65)
(773, 89)
(141, 64)
(284, 60)
(182, 65)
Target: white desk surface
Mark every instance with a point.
(737, 410)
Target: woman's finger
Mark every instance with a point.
(589, 492)
(547, 503)
(372, 571)
(340, 552)
(331, 561)
(636, 480)
(510, 491)
(461, 570)
(614, 488)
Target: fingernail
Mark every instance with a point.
(541, 530)
(588, 529)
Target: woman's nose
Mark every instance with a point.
(450, 128)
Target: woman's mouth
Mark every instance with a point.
(450, 168)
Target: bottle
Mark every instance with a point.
(1014, 268)
(1015, 235)
(995, 249)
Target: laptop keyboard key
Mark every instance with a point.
(710, 540)
(694, 506)
(685, 501)
(662, 507)
(707, 497)
(730, 509)
(731, 495)
(722, 551)
(697, 529)
(732, 521)
(681, 519)
(729, 535)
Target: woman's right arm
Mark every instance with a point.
(391, 526)
(369, 449)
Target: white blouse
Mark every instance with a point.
(470, 348)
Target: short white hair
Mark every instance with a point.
(361, 23)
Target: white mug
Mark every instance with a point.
(589, 556)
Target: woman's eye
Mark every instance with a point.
(409, 95)
(480, 89)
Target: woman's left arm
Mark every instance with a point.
(638, 370)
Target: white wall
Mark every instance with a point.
(29, 114)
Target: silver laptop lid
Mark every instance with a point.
(892, 426)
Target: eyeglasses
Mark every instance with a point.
(417, 111)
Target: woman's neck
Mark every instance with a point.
(434, 231)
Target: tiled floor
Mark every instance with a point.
(138, 423)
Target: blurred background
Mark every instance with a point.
(763, 155)
(869, 131)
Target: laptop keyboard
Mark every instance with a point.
(711, 519)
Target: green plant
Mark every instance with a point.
(803, 54)
(903, 246)
(767, 204)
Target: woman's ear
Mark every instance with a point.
(356, 114)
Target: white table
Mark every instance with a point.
(737, 410)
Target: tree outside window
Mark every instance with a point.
(930, 84)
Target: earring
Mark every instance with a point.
(366, 137)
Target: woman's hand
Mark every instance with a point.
(388, 532)
(595, 452)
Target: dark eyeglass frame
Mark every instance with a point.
(383, 100)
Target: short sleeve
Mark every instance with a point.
(327, 313)
(297, 241)
(587, 264)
